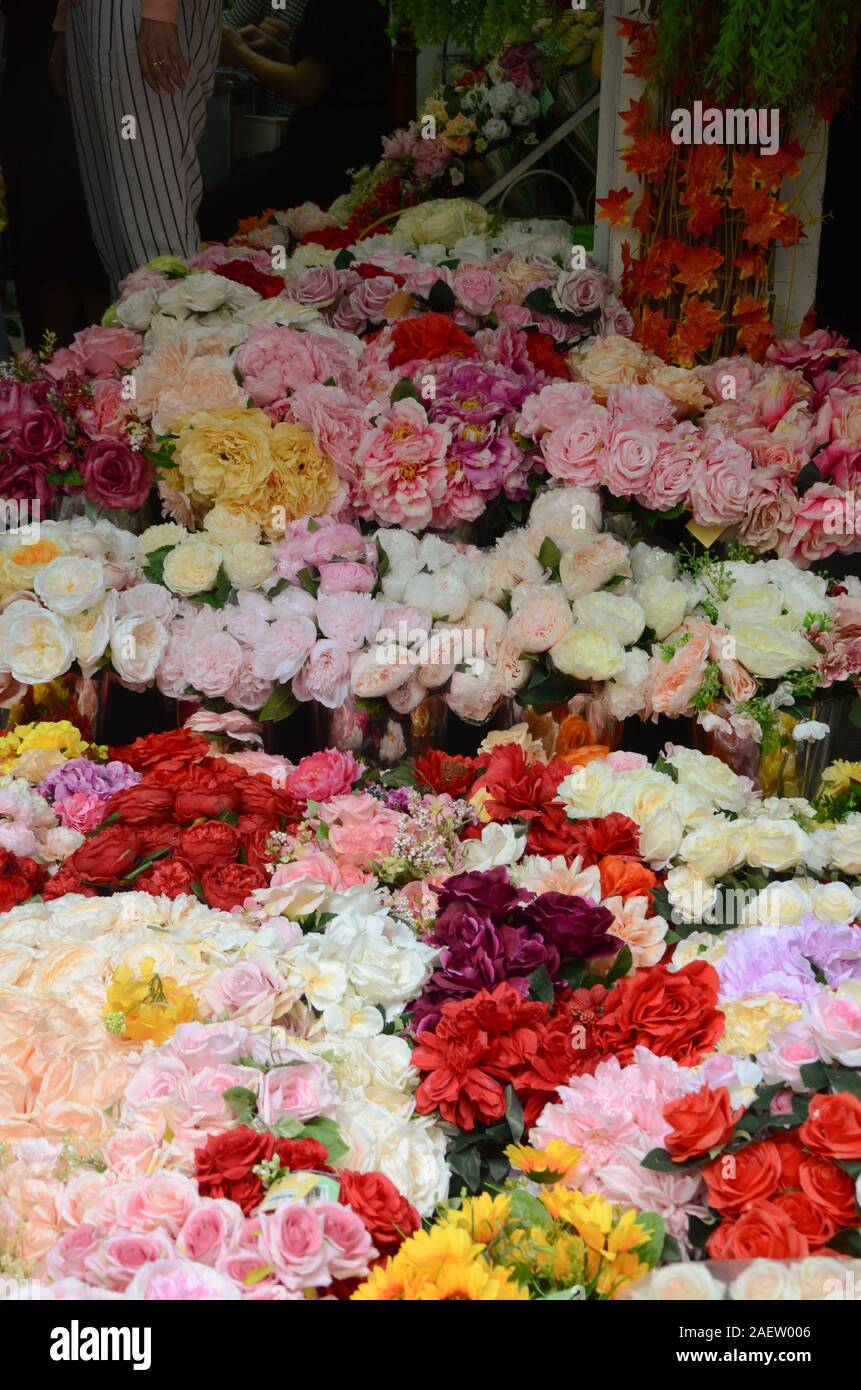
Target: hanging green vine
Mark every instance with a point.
(796, 55)
(478, 27)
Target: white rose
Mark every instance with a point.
(136, 312)
(248, 564)
(226, 528)
(775, 844)
(710, 779)
(713, 849)
(768, 651)
(563, 513)
(202, 292)
(154, 537)
(845, 847)
(499, 845)
(647, 561)
(660, 836)
(587, 791)
(691, 897)
(664, 603)
(588, 654)
(761, 604)
(779, 904)
(38, 647)
(766, 1280)
(137, 647)
(91, 633)
(192, 566)
(70, 585)
(824, 1277)
(412, 1156)
(834, 902)
(620, 618)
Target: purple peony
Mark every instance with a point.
(90, 779)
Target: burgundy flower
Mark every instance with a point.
(115, 475)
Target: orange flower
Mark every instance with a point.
(625, 878)
(579, 757)
(574, 732)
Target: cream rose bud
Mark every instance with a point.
(766, 1281)
(474, 694)
(137, 647)
(136, 311)
(499, 844)
(591, 562)
(226, 528)
(845, 847)
(70, 584)
(620, 618)
(664, 602)
(192, 566)
(822, 1277)
(709, 778)
(249, 564)
(446, 594)
(714, 848)
(770, 652)
(540, 617)
(835, 902)
(588, 654)
(775, 844)
(648, 562)
(660, 836)
(381, 670)
(38, 647)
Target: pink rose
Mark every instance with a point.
(298, 1092)
(106, 413)
(634, 404)
(677, 462)
(180, 1280)
(213, 663)
(349, 1237)
(326, 675)
(337, 421)
(628, 458)
(252, 984)
(477, 289)
(345, 577)
(207, 1230)
(719, 492)
(319, 286)
(573, 453)
(673, 683)
(581, 291)
(118, 1258)
(131, 1153)
(370, 297)
(823, 523)
(105, 351)
(771, 506)
(556, 407)
(159, 1203)
(320, 776)
(291, 1240)
(421, 281)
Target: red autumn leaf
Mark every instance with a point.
(633, 117)
(750, 266)
(697, 271)
(640, 220)
(649, 155)
(652, 330)
(612, 208)
(706, 211)
(705, 168)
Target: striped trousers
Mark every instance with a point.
(137, 149)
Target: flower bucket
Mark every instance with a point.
(782, 765)
(372, 730)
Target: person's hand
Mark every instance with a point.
(278, 34)
(57, 65)
(234, 48)
(162, 61)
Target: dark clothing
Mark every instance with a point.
(342, 132)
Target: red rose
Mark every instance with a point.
(387, 1216)
(223, 1166)
(700, 1122)
(303, 1155)
(541, 351)
(154, 748)
(674, 1013)
(552, 833)
(115, 475)
(829, 1187)
(255, 844)
(764, 1231)
(20, 878)
(153, 837)
(812, 1221)
(210, 843)
(427, 337)
(108, 856)
(141, 805)
(228, 885)
(613, 834)
(193, 804)
(447, 772)
(333, 238)
(169, 878)
(735, 1181)
(833, 1126)
(791, 1154)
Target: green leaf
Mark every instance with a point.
(814, 1076)
(543, 303)
(808, 476)
(514, 1114)
(198, 891)
(661, 765)
(549, 556)
(154, 567)
(280, 705)
(547, 688)
(620, 967)
(217, 597)
(651, 1251)
(326, 1132)
(308, 582)
(855, 713)
(405, 390)
(541, 985)
(846, 1243)
(526, 1208)
(242, 1102)
(659, 1161)
(844, 1079)
(343, 259)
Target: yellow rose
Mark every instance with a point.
(192, 567)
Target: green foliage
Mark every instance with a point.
(480, 27)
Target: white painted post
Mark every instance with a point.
(618, 90)
(795, 267)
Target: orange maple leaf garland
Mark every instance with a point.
(709, 218)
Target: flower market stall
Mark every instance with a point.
(430, 836)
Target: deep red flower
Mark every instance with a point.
(180, 744)
(228, 885)
(169, 878)
(20, 878)
(387, 1216)
(209, 843)
(427, 337)
(542, 353)
(108, 856)
(613, 834)
(517, 789)
(244, 273)
(447, 772)
(673, 1013)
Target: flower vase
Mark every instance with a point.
(782, 765)
(79, 700)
